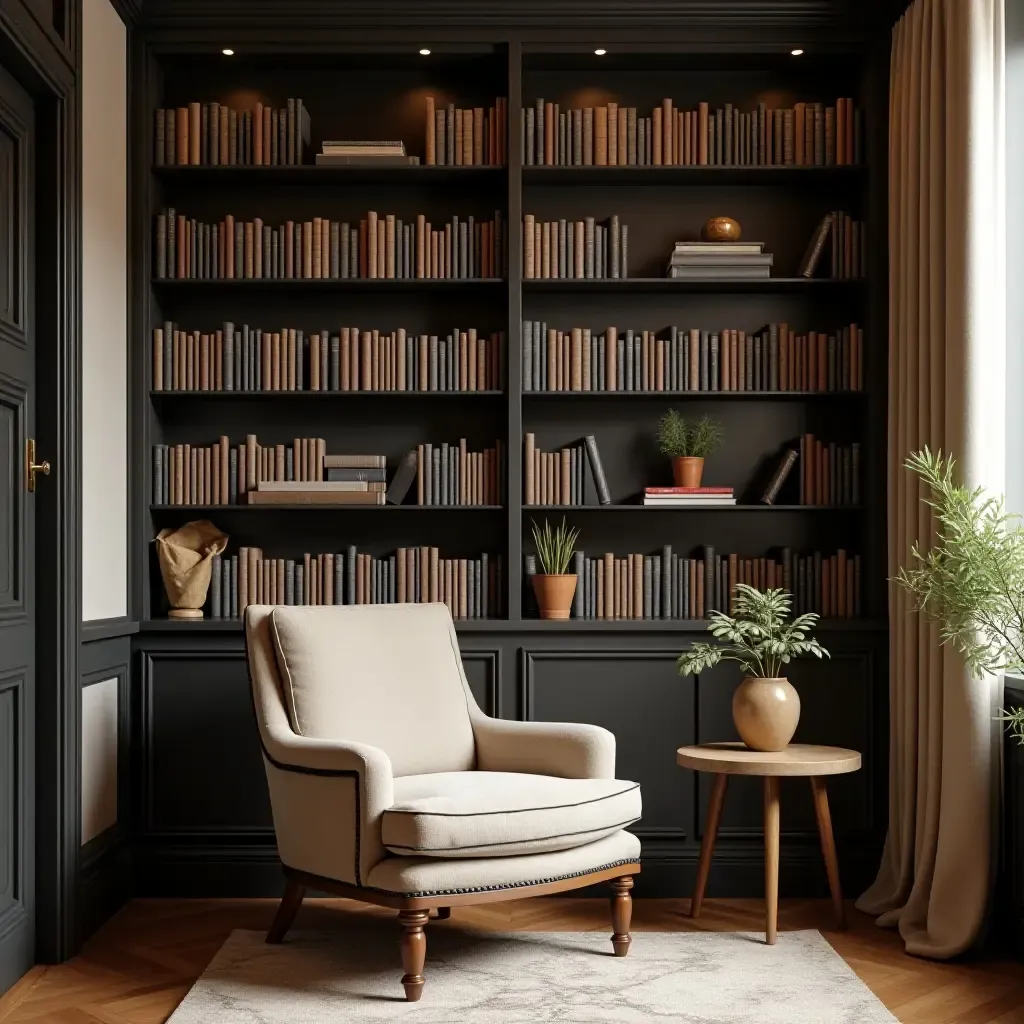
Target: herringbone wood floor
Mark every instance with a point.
(140, 965)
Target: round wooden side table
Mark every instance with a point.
(725, 759)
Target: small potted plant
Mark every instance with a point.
(688, 443)
(765, 706)
(554, 586)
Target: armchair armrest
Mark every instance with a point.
(544, 748)
(327, 796)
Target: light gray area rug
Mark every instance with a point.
(354, 975)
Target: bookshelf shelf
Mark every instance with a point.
(311, 175)
(701, 396)
(568, 509)
(352, 284)
(273, 396)
(693, 175)
(231, 509)
(753, 286)
(681, 626)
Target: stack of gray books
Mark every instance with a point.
(704, 260)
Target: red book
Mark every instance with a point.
(688, 490)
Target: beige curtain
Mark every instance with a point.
(946, 384)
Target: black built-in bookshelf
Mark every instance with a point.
(617, 673)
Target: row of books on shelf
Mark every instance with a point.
(575, 249)
(848, 251)
(673, 586)
(774, 358)
(255, 474)
(302, 473)
(559, 478)
(806, 134)
(244, 358)
(379, 246)
(473, 588)
(448, 474)
(829, 473)
(211, 134)
(466, 137)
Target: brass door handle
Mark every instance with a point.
(32, 467)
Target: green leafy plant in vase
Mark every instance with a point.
(762, 639)
(971, 580)
(555, 586)
(688, 442)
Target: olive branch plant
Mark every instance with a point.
(758, 636)
(971, 579)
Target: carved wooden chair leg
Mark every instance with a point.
(414, 951)
(622, 911)
(286, 911)
(443, 913)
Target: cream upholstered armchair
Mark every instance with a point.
(389, 785)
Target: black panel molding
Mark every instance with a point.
(108, 629)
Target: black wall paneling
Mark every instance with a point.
(193, 710)
(105, 863)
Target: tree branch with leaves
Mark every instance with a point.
(971, 579)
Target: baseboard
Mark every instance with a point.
(105, 880)
(234, 870)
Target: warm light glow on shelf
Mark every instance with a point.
(228, 52)
(796, 52)
(425, 52)
(600, 53)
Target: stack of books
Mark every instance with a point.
(701, 260)
(689, 497)
(343, 480)
(364, 153)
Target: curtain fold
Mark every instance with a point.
(947, 349)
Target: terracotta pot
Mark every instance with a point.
(687, 471)
(554, 594)
(765, 712)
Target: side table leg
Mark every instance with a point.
(771, 857)
(707, 844)
(828, 846)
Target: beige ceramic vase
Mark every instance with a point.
(765, 712)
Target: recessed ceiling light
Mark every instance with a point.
(228, 52)
(796, 52)
(600, 53)
(425, 52)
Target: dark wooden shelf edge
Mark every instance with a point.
(324, 394)
(325, 508)
(676, 284)
(531, 626)
(696, 395)
(326, 283)
(626, 506)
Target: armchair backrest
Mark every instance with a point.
(387, 675)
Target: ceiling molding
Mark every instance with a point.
(637, 14)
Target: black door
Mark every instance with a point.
(17, 536)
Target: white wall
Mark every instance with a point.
(104, 312)
(99, 757)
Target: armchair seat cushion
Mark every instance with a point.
(501, 814)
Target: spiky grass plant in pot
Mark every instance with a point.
(555, 585)
(762, 640)
(688, 443)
